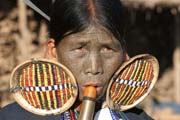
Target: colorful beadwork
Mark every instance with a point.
(74, 114)
(70, 115)
(132, 82)
(45, 86)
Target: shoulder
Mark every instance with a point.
(137, 114)
(10, 106)
(14, 112)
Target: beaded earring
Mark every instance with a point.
(132, 82)
(43, 87)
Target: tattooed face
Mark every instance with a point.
(92, 55)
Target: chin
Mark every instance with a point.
(101, 97)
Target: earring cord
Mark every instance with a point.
(34, 7)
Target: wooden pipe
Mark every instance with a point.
(88, 103)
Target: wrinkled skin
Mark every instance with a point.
(92, 55)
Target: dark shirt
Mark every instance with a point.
(15, 112)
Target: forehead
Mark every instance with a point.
(92, 33)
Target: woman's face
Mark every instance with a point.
(92, 55)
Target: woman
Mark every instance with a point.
(85, 36)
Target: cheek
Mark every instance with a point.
(113, 63)
(74, 65)
(68, 60)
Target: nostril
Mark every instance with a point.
(95, 71)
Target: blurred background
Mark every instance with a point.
(152, 26)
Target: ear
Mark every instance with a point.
(126, 56)
(51, 52)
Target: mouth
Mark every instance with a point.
(98, 86)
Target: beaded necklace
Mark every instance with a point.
(74, 114)
(113, 115)
(70, 115)
(118, 115)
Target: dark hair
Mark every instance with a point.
(72, 16)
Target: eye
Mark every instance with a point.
(79, 49)
(107, 50)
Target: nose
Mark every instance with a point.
(93, 64)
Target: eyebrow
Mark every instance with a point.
(114, 44)
(85, 40)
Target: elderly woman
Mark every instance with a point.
(86, 36)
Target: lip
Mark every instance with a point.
(98, 86)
